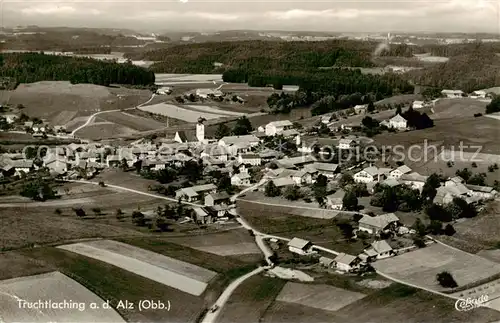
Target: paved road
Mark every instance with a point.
(224, 297)
(91, 118)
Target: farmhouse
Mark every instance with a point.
(325, 169)
(295, 162)
(249, 140)
(194, 193)
(479, 94)
(360, 109)
(345, 262)
(283, 182)
(398, 122)
(57, 164)
(418, 105)
(452, 93)
(9, 118)
(369, 174)
(278, 127)
(300, 246)
(335, 200)
(347, 143)
(414, 180)
(205, 93)
(483, 192)
(20, 166)
(377, 224)
(400, 171)
(381, 249)
(216, 199)
(215, 151)
(201, 216)
(164, 90)
(241, 179)
(252, 159)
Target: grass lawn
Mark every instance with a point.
(251, 299)
(321, 232)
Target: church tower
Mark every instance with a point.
(200, 130)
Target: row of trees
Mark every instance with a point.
(34, 67)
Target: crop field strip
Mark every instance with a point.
(214, 110)
(176, 112)
(55, 287)
(168, 271)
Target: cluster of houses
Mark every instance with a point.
(378, 249)
(37, 129)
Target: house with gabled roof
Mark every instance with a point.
(345, 262)
(400, 171)
(195, 193)
(377, 224)
(336, 200)
(398, 122)
(300, 246)
(241, 179)
(371, 174)
(278, 127)
(379, 250)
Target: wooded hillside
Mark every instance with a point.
(34, 67)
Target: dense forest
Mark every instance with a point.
(259, 55)
(35, 67)
(467, 72)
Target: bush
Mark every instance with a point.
(419, 242)
(79, 212)
(445, 279)
(58, 211)
(449, 230)
(119, 214)
(477, 115)
(101, 184)
(96, 210)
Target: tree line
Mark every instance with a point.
(35, 67)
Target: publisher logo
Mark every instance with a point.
(467, 304)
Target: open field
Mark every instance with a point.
(273, 220)
(453, 108)
(450, 133)
(132, 121)
(421, 266)
(115, 284)
(212, 109)
(227, 243)
(394, 304)
(104, 131)
(24, 227)
(172, 79)
(53, 287)
(251, 299)
(180, 275)
(322, 297)
(47, 99)
(479, 233)
(177, 112)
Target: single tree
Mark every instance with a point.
(222, 131)
(79, 212)
(350, 201)
(119, 214)
(272, 190)
(292, 193)
(445, 279)
(449, 230)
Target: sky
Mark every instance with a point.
(303, 15)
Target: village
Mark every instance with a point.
(280, 162)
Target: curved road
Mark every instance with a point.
(91, 117)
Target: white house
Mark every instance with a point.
(414, 180)
(21, 166)
(9, 118)
(360, 109)
(164, 90)
(300, 246)
(381, 249)
(252, 159)
(335, 200)
(452, 93)
(278, 127)
(347, 143)
(368, 175)
(57, 164)
(400, 171)
(398, 122)
(418, 105)
(480, 94)
(241, 179)
(345, 262)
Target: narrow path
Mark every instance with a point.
(91, 117)
(210, 317)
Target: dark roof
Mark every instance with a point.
(220, 196)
